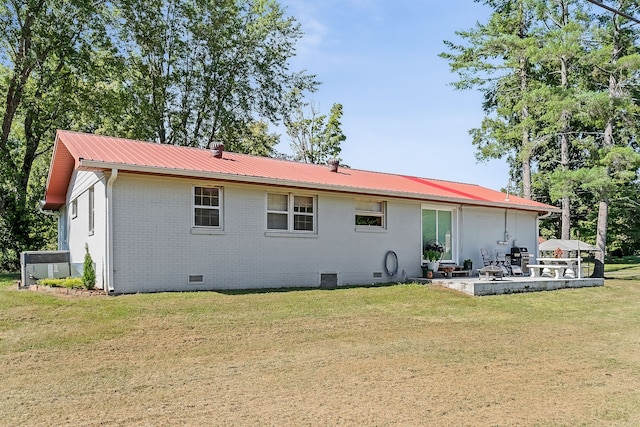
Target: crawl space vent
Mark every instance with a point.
(328, 280)
(377, 275)
(196, 278)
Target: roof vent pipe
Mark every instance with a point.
(217, 148)
(333, 164)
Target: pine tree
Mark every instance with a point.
(89, 271)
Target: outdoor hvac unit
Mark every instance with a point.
(44, 265)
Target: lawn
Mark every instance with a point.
(388, 355)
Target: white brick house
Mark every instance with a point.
(166, 218)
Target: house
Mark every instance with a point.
(167, 218)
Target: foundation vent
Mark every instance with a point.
(328, 280)
(196, 278)
(377, 274)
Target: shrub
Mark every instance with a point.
(71, 283)
(89, 273)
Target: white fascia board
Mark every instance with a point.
(153, 170)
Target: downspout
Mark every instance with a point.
(506, 237)
(109, 239)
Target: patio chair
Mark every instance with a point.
(503, 263)
(486, 258)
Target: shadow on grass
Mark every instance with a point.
(631, 259)
(298, 289)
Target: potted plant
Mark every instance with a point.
(433, 251)
(468, 264)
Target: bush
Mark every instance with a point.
(71, 283)
(89, 273)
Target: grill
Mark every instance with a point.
(521, 257)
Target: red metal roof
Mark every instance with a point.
(74, 151)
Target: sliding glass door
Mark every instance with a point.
(437, 224)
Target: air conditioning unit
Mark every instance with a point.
(44, 265)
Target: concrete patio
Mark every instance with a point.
(510, 284)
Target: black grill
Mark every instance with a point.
(520, 256)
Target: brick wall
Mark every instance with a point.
(155, 248)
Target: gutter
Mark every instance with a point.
(109, 240)
(41, 204)
(249, 179)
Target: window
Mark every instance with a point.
(74, 208)
(437, 225)
(370, 214)
(206, 207)
(290, 212)
(91, 210)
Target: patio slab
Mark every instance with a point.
(513, 284)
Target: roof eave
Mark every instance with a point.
(154, 170)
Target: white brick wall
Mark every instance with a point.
(155, 250)
(484, 227)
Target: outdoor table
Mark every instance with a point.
(568, 263)
(490, 270)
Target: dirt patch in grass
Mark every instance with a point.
(400, 355)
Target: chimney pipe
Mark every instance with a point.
(333, 164)
(217, 148)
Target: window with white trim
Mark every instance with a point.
(74, 208)
(291, 212)
(370, 214)
(207, 204)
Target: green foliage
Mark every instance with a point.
(173, 71)
(432, 255)
(203, 71)
(89, 271)
(561, 101)
(315, 138)
(70, 282)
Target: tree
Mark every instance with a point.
(495, 58)
(184, 72)
(88, 271)
(617, 63)
(566, 85)
(315, 138)
(50, 51)
(209, 70)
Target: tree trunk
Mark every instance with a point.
(525, 151)
(607, 141)
(601, 239)
(564, 154)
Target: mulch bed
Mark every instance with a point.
(80, 293)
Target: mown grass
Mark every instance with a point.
(623, 268)
(388, 355)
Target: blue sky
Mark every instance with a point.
(379, 59)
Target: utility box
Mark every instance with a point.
(44, 265)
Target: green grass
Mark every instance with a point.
(623, 268)
(386, 355)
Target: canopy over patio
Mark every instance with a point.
(566, 245)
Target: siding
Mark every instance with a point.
(155, 249)
(78, 227)
(484, 228)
